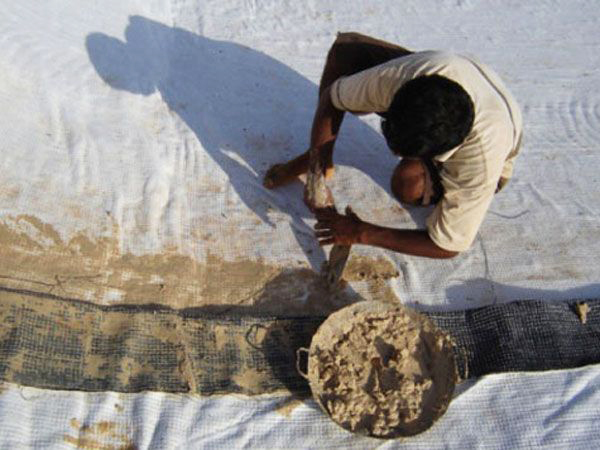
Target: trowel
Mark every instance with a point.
(320, 196)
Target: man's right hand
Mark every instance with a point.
(277, 175)
(281, 174)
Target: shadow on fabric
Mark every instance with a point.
(247, 109)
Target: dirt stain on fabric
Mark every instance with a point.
(251, 380)
(33, 256)
(287, 407)
(582, 309)
(103, 435)
(376, 273)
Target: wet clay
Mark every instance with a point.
(376, 273)
(361, 268)
(55, 343)
(582, 311)
(383, 373)
(287, 407)
(34, 257)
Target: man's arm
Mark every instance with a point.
(325, 128)
(334, 228)
(410, 242)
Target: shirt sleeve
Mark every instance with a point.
(454, 222)
(507, 170)
(470, 179)
(369, 91)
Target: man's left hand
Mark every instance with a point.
(335, 228)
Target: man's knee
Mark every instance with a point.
(338, 53)
(408, 181)
(339, 61)
(348, 36)
(345, 47)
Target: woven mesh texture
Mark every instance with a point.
(50, 342)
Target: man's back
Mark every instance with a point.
(470, 172)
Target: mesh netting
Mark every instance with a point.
(50, 342)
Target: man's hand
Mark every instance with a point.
(278, 175)
(333, 228)
(281, 174)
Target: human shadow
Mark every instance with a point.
(247, 109)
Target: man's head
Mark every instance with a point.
(408, 181)
(429, 115)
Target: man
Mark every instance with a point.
(451, 119)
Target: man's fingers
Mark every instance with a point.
(326, 218)
(325, 213)
(351, 213)
(323, 218)
(323, 225)
(329, 241)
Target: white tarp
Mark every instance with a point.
(554, 410)
(144, 128)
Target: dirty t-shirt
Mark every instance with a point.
(471, 171)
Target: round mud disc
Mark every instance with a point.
(382, 370)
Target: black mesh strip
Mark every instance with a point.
(50, 342)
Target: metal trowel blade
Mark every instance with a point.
(336, 264)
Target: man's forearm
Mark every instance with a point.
(411, 242)
(325, 127)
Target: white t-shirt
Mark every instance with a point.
(471, 171)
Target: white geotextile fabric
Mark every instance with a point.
(178, 142)
(556, 409)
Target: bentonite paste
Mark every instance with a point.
(385, 373)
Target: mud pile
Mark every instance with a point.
(385, 373)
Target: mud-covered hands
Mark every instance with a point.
(334, 228)
(284, 173)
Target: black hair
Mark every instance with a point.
(429, 115)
